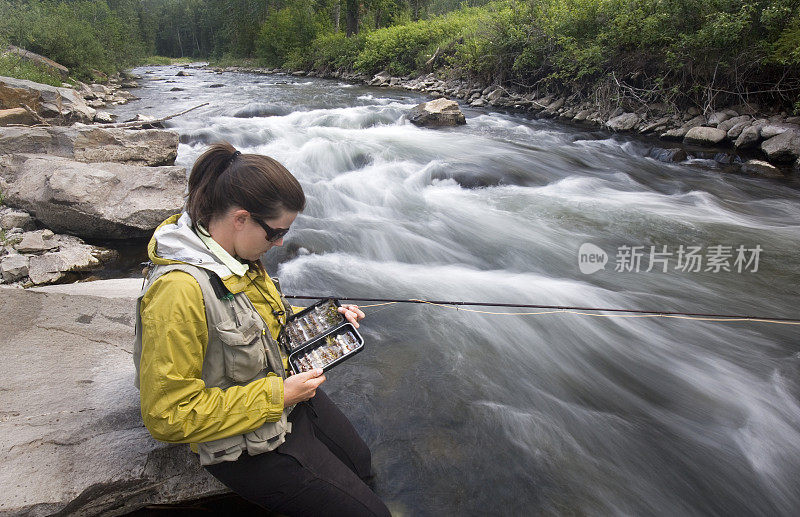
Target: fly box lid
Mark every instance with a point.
(319, 337)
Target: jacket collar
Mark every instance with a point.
(175, 241)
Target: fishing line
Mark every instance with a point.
(565, 309)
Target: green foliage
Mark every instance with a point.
(82, 35)
(164, 60)
(287, 33)
(335, 50)
(14, 66)
(403, 49)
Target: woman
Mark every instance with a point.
(209, 368)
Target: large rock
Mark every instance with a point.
(784, 148)
(62, 105)
(382, 78)
(749, 137)
(704, 136)
(624, 122)
(439, 112)
(100, 200)
(729, 123)
(680, 132)
(93, 144)
(71, 431)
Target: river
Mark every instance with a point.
(551, 414)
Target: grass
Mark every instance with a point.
(15, 66)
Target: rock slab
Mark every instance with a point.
(71, 431)
(93, 144)
(100, 200)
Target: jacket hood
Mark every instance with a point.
(175, 241)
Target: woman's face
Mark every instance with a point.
(251, 241)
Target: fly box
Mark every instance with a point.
(320, 337)
(327, 350)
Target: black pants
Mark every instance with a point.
(319, 470)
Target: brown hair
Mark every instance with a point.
(222, 177)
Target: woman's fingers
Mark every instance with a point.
(352, 314)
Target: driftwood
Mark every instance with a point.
(136, 123)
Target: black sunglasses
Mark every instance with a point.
(273, 234)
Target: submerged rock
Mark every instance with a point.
(439, 112)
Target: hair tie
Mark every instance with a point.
(233, 157)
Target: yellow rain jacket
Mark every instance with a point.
(176, 405)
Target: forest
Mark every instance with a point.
(678, 51)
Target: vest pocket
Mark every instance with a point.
(243, 349)
(269, 436)
(224, 449)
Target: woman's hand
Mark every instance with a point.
(352, 314)
(301, 386)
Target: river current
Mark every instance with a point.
(472, 413)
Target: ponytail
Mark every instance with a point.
(223, 177)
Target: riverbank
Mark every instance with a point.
(745, 137)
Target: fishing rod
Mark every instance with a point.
(564, 308)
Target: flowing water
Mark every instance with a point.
(553, 414)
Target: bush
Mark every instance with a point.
(82, 35)
(14, 66)
(335, 50)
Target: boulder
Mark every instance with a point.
(731, 122)
(624, 122)
(93, 144)
(749, 137)
(439, 112)
(771, 130)
(99, 200)
(680, 132)
(71, 430)
(735, 131)
(783, 148)
(13, 267)
(381, 78)
(718, 117)
(496, 95)
(16, 116)
(10, 218)
(704, 136)
(64, 105)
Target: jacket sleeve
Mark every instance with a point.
(176, 405)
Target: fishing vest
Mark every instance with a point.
(240, 350)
